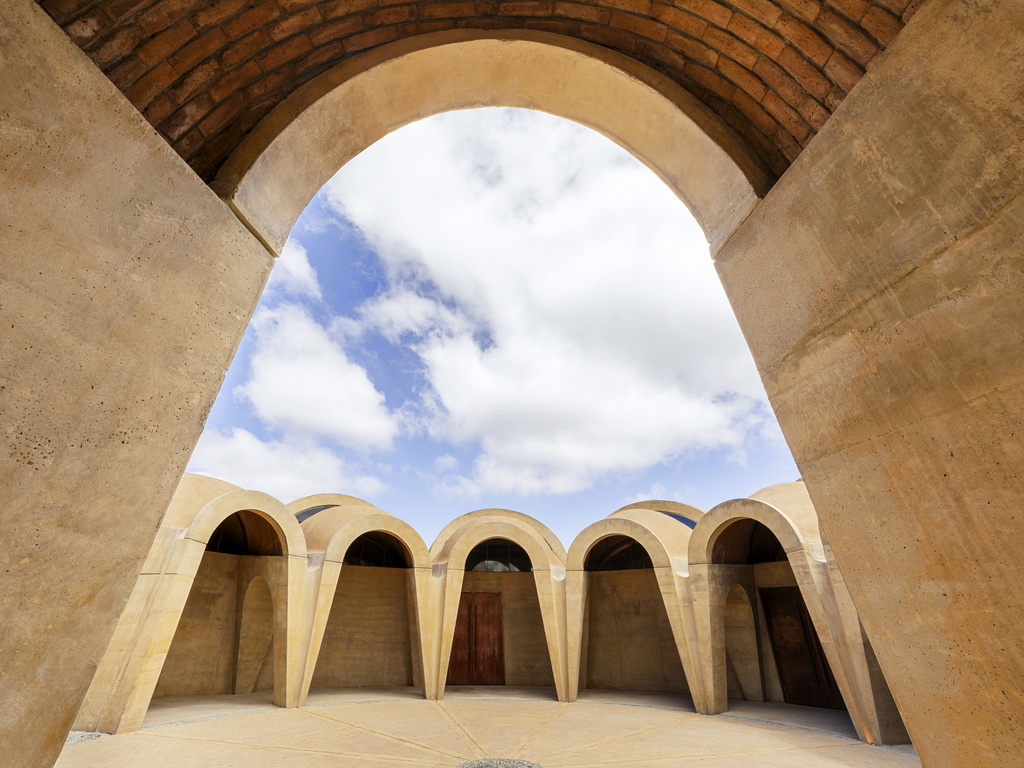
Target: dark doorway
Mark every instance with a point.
(804, 673)
(478, 655)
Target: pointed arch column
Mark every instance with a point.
(365, 519)
(131, 666)
(668, 555)
(712, 583)
(549, 579)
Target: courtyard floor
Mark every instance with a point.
(363, 728)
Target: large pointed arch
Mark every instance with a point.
(665, 541)
(131, 667)
(549, 579)
(794, 524)
(282, 163)
(332, 532)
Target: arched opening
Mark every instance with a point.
(295, 151)
(245, 533)
(627, 642)
(371, 639)
(499, 631)
(224, 640)
(684, 159)
(281, 164)
(792, 666)
(692, 155)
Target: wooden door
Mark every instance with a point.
(804, 673)
(478, 654)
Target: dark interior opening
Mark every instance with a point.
(500, 556)
(617, 553)
(747, 542)
(378, 549)
(245, 533)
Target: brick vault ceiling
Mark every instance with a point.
(203, 72)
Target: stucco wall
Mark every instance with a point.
(527, 661)
(879, 286)
(125, 288)
(629, 641)
(367, 641)
(265, 679)
(201, 659)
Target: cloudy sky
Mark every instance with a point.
(495, 308)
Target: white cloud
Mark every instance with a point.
(658, 492)
(446, 463)
(293, 275)
(287, 470)
(303, 383)
(563, 303)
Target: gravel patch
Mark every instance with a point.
(497, 762)
(77, 737)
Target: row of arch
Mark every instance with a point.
(242, 592)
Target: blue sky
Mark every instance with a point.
(495, 308)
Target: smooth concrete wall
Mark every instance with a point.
(255, 620)
(201, 659)
(367, 641)
(630, 646)
(265, 678)
(880, 286)
(125, 288)
(527, 660)
(772, 683)
(743, 660)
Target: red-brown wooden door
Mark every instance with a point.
(478, 655)
(804, 671)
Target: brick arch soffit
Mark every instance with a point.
(204, 72)
(281, 163)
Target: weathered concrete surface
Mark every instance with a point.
(383, 730)
(880, 288)
(200, 622)
(368, 640)
(125, 288)
(201, 658)
(630, 646)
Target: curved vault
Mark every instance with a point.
(204, 72)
